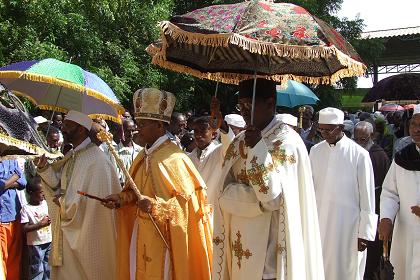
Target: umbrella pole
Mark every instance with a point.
(52, 115)
(253, 97)
(217, 88)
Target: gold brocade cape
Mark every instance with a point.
(180, 210)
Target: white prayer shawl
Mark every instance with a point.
(244, 231)
(345, 194)
(87, 227)
(401, 191)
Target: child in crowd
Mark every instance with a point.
(37, 227)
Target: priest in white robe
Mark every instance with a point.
(400, 206)
(265, 217)
(84, 236)
(345, 195)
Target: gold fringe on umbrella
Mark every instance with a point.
(62, 83)
(235, 78)
(32, 149)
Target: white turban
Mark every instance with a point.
(416, 109)
(235, 120)
(80, 118)
(331, 116)
(288, 119)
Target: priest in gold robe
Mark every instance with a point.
(175, 196)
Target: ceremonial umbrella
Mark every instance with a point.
(18, 136)
(391, 108)
(55, 85)
(295, 94)
(276, 41)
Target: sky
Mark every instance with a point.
(380, 15)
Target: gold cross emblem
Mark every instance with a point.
(238, 251)
(217, 240)
(258, 174)
(146, 259)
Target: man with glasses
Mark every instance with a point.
(344, 189)
(363, 135)
(265, 215)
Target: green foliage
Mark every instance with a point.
(109, 37)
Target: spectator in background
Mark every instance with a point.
(11, 179)
(363, 135)
(348, 128)
(178, 125)
(307, 117)
(53, 138)
(37, 228)
(57, 120)
(384, 137)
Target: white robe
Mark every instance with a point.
(88, 228)
(401, 191)
(265, 219)
(345, 195)
(209, 163)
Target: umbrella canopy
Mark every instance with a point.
(11, 148)
(391, 108)
(277, 41)
(295, 94)
(398, 87)
(55, 85)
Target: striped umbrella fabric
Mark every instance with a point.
(55, 85)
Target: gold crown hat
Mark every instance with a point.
(153, 104)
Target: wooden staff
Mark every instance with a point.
(91, 196)
(301, 110)
(107, 138)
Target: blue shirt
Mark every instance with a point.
(9, 201)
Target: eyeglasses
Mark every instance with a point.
(245, 106)
(327, 130)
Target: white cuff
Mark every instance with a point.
(367, 225)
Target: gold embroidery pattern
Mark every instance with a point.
(146, 259)
(230, 153)
(239, 252)
(258, 174)
(217, 240)
(279, 155)
(242, 149)
(243, 177)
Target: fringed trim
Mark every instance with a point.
(254, 46)
(27, 147)
(92, 116)
(62, 83)
(234, 78)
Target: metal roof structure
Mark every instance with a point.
(402, 51)
(391, 32)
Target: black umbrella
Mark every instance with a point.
(386, 270)
(399, 87)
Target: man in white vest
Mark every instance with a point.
(345, 194)
(400, 206)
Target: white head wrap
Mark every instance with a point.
(288, 119)
(235, 120)
(416, 109)
(80, 118)
(331, 116)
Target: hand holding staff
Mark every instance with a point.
(107, 138)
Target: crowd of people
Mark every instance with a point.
(239, 196)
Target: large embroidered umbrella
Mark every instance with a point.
(277, 41)
(55, 85)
